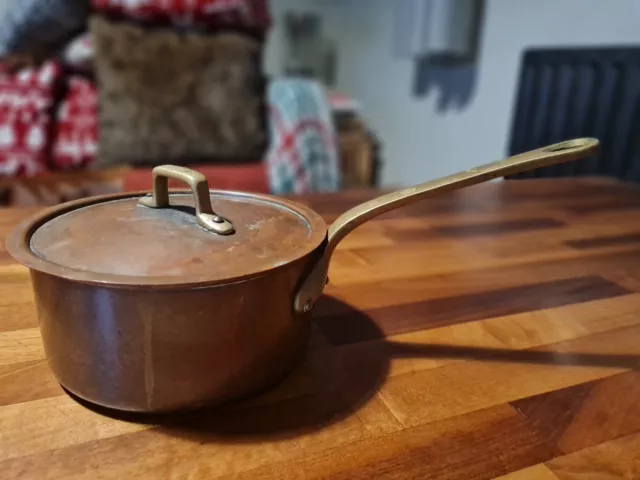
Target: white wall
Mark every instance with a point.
(275, 50)
(420, 142)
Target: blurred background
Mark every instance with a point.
(435, 118)
(332, 94)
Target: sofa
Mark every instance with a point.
(52, 125)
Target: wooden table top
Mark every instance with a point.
(490, 332)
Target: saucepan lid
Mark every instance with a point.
(168, 238)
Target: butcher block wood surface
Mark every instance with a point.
(489, 333)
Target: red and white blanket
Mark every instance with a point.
(250, 14)
(76, 128)
(26, 108)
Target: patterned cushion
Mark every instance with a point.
(251, 14)
(167, 96)
(76, 129)
(26, 100)
(303, 156)
(78, 54)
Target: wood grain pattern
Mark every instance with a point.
(474, 229)
(460, 448)
(631, 238)
(346, 328)
(25, 381)
(617, 205)
(583, 416)
(20, 346)
(490, 333)
(618, 458)
(370, 295)
(435, 394)
(537, 472)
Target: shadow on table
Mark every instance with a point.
(331, 385)
(418, 350)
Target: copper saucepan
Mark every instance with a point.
(155, 303)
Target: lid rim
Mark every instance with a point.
(18, 245)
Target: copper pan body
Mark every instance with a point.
(165, 350)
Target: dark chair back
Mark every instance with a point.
(581, 92)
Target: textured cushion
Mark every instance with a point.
(76, 128)
(26, 101)
(250, 14)
(167, 96)
(77, 55)
(303, 154)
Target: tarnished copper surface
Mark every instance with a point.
(114, 240)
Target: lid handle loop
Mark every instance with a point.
(198, 184)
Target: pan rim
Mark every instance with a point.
(18, 245)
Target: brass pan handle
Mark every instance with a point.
(198, 184)
(313, 285)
